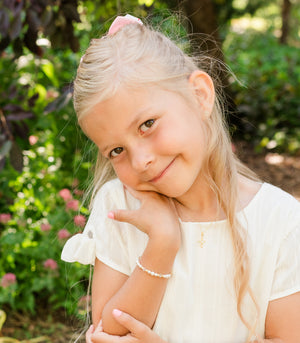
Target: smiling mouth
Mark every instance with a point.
(160, 175)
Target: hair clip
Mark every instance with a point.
(121, 21)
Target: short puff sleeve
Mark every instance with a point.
(103, 237)
(286, 279)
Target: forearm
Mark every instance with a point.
(141, 295)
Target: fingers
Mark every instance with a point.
(136, 327)
(99, 328)
(130, 216)
(89, 333)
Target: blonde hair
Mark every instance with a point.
(135, 56)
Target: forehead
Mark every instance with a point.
(116, 108)
(125, 104)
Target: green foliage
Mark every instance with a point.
(23, 21)
(52, 154)
(33, 234)
(269, 103)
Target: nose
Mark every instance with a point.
(141, 159)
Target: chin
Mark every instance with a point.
(172, 192)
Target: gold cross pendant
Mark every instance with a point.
(202, 240)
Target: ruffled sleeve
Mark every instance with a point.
(112, 242)
(80, 248)
(287, 273)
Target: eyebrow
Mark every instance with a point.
(138, 115)
(134, 121)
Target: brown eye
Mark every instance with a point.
(115, 152)
(146, 125)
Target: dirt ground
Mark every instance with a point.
(280, 170)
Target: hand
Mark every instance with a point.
(138, 332)
(157, 216)
(273, 340)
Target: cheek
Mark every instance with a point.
(123, 171)
(169, 137)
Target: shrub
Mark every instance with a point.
(35, 220)
(269, 104)
(33, 231)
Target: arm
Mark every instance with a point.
(282, 320)
(140, 294)
(139, 332)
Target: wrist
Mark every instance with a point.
(166, 245)
(159, 256)
(170, 241)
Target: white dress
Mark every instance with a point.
(199, 304)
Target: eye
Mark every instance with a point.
(146, 125)
(115, 152)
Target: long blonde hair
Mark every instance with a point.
(138, 56)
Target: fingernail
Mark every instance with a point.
(111, 215)
(117, 313)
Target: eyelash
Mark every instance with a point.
(110, 154)
(152, 121)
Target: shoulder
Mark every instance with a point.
(110, 187)
(272, 210)
(266, 196)
(113, 195)
(281, 207)
(275, 197)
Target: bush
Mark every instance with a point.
(36, 216)
(33, 232)
(269, 104)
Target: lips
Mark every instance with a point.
(162, 173)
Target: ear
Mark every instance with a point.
(204, 90)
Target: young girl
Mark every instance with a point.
(183, 238)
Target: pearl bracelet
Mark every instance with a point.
(150, 272)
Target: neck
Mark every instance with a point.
(199, 204)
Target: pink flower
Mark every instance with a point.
(50, 264)
(4, 218)
(33, 140)
(80, 220)
(63, 234)
(72, 205)
(65, 194)
(75, 183)
(8, 280)
(45, 227)
(78, 191)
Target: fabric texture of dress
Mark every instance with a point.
(199, 305)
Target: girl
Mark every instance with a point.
(183, 237)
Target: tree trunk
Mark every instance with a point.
(285, 19)
(205, 27)
(203, 18)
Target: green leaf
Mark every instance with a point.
(49, 71)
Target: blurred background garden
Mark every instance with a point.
(46, 163)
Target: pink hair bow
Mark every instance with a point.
(121, 21)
